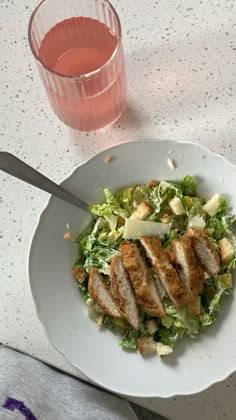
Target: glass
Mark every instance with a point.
(79, 54)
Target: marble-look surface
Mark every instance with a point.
(180, 58)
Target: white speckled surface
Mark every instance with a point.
(180, 59)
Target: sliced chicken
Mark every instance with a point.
(79, 274)
(100, 292)
(187, 265)
(173, 285)
(123, 292)
(141, 279)
(194, 308)
(203, 248)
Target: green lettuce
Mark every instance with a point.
(108, 322)
(214, 289)
(111, 206)
(181, 319)
(125, 199)
(195, 207)
(188, 186)
(98, 245)
(218, 226)
(223, 208)
(129, 340)
(100, 257)
(231, 265)
(131, 197)
(141, 193)
(83, 287)
(168, 336)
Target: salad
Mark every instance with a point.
(156, 263)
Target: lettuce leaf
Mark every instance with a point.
(129, 341)
(99, 245)
(181, 319)
(214, 289)
(168, 336)
(111, 206)
(100, 257)
(141, 193)
(219, 227)
(108, 322)
(125, 199)
(231, 265)
(223, 208)
(83, 287)
(188, 186)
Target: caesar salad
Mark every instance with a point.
(156, 263)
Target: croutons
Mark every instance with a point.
(79, 274)
(165, 218)
(146, 345)
(226, 250)
(153, 183)
(67, 236)
(108, 159)
(212, 205)
(176, 206)
(142, 211)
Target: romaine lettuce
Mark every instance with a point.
(129, 340)
(188, 186)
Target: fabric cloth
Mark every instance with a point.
(31, 390)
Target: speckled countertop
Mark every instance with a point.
(180, 58)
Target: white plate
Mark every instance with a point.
(194, 364)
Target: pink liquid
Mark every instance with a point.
(76, 47)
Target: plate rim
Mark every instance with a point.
(33, 238)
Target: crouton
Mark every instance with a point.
(226, 250)
(212, 205)
(142, 211)
(79, 274)
(176, 206)
(146, 345)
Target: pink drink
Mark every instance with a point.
(81, 64)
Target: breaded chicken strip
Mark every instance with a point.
(123, 292)
(203, 248)
(100, 292)
(187, 265)
(141, 279)
(173, 285)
